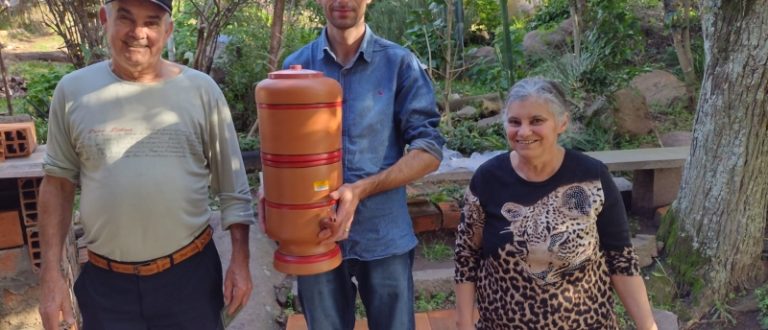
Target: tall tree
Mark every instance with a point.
(77, 22)
(714, 231)
(677, 18)
(212, 17)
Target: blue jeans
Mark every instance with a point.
(385, 286)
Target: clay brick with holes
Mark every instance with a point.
(2, 148)
(33, 245)
(29, 191)
(11, 235)
(20, 139)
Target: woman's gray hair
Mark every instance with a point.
(544, 89)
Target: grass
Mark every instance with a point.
(670, 119)
(436, 251)
(435, 301)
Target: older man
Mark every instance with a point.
(145, 139)
(390, 138)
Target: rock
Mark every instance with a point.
(483, 55)
(661, 88)
(645, 247)
(533, 44)
(665, 320)
(631, 113)
(676, 139)
(467, 112)
(485, 122)
(491, 105)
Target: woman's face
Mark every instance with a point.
(532, 128)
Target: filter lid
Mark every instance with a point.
(295, 71)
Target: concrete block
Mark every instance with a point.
(11, 235)
(654, 188)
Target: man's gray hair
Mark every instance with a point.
(543, 89)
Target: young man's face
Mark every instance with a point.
(344, 14)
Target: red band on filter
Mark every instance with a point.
(320, 205)
(312, 106)
(284, 258)
(298, 161)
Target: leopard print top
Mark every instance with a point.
(541, 254)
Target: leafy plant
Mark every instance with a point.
(41, 81)
(436, 301)
(248, 143)
(466, 138)
(762, 303)
(436, 251)
(450, 192)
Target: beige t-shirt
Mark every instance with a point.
(145, 156)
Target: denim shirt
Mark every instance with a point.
(388, 106)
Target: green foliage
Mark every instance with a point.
(246, 61)
(248, 143)
(622, 316)
(436, 250)
(484, 14)
(466, 138)
(424, 36)
(551, 13)
(595, 136)
(436, 301)
(450, 192)
(762, 303)
(683, 259)
(385, 17)
(42, 79)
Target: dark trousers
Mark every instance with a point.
(385, 287)
(186, 296)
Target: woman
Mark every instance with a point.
(544, 234)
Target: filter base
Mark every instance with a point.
(307, 265)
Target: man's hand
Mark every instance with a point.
(337, 227)
(237, 285)
(237, 281)
(55, 301)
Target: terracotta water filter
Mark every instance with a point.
(300, 131)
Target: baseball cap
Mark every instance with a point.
(166, 4)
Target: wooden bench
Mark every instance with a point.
(655, 180)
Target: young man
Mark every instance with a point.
(390, 138)
(144, 138)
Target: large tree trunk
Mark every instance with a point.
(715, 228)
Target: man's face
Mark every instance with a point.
(137, 31)
(344, 14)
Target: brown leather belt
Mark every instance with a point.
(154, 266)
